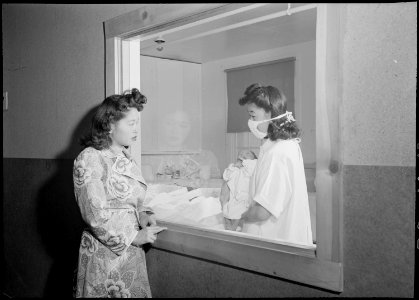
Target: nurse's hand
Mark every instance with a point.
(244, 215)
(256, 213)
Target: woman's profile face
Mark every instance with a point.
(257, 113)
(125, 131)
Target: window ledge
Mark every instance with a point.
(279, 259)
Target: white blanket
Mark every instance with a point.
(185, 207)
(238, 180)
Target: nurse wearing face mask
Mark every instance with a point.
(278, 190)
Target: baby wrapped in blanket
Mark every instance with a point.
(234, 195)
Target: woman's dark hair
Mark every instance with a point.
(111, 110)
(274, 101)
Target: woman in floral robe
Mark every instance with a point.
(110, 190)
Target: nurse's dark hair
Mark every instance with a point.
(110, 111)
(274, 101)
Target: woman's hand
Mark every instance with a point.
(146, 219)
(146, 235)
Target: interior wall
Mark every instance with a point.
(214, 96)
(54, 73)
(379, 87)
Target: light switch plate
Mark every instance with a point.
(5, 101)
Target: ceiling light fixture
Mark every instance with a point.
(159, 41)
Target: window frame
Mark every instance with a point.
(320, 267)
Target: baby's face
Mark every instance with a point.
(245, 154)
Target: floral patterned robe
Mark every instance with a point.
(110, 190)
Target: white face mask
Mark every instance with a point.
(253, 125)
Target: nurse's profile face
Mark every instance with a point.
(257, 113)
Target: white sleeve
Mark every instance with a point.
(272, 187)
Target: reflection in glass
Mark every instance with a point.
(188, 187)
(181, 193)
(174, 129)
(174, 132)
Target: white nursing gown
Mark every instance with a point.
(279, 185)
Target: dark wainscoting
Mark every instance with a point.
(42, 228)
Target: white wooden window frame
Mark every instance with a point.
(320, 267)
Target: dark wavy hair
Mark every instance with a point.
(274, 101)
(110, 111)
